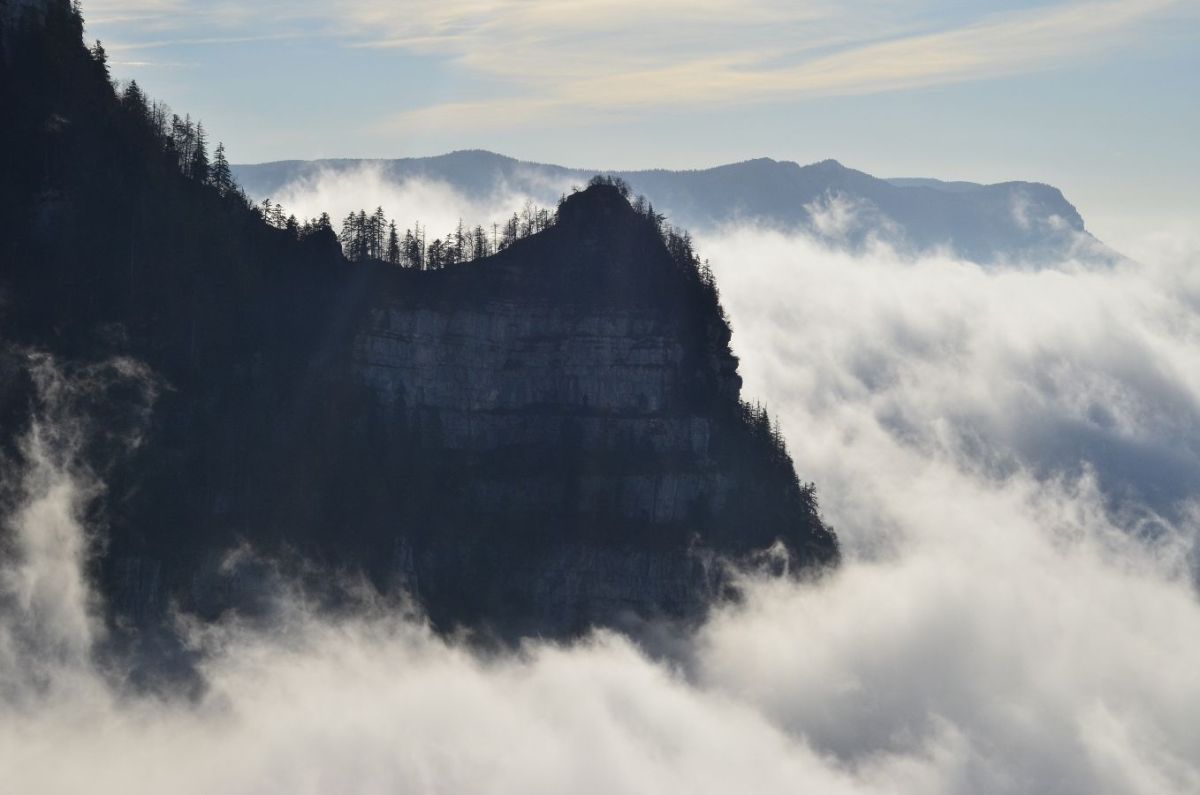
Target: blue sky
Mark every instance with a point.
(1099, 98)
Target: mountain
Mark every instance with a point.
(1019, 222)
(538, 441)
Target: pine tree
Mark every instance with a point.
(409, 250)
(378, 225)
(393, 245)
(479, 246)
(100, 57)
(75, 19)
(220, 176)
(177, 145)
(134, 102)
(361, 236)
(461, 242)
(198, 169)
(434, 256)
(346, 238)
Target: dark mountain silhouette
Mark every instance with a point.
(1008, 222)
(536, 441)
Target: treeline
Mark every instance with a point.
(764, 429)
(181, 141)
(364, 236)
(375, 237)
(184, 145)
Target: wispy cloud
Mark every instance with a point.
(154, 64)
(798, 57)
(536, 61)
(133, 19)
(199, 42)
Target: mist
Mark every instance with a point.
(1011, 458)
(433, 203)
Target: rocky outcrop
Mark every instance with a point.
(560, 432)
(536, 442)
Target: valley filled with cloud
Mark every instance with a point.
(1010, 457)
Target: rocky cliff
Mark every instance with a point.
(536, 442)
(576, 405)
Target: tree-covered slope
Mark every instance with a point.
(538, 440)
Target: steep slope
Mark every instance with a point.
(568, 410)
(539, 441)
(1011, 221)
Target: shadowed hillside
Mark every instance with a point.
(536, 441)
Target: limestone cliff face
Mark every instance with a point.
(538, 442)
(576, 406)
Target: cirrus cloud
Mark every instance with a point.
(532, 62)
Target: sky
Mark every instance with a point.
(1097, 98)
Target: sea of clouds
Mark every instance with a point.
(1010, 456)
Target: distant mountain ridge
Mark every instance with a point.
(1017, 222)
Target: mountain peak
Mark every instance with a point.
(595, 203)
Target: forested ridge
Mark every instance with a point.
(144, 229)
(133, 144)
(123, 238)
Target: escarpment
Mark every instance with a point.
(560, 430)
(539, 441)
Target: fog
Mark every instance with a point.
(433, 203)
(1009, 456)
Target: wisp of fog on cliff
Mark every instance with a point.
(1012, 461)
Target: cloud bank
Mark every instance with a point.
(1016, 613)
